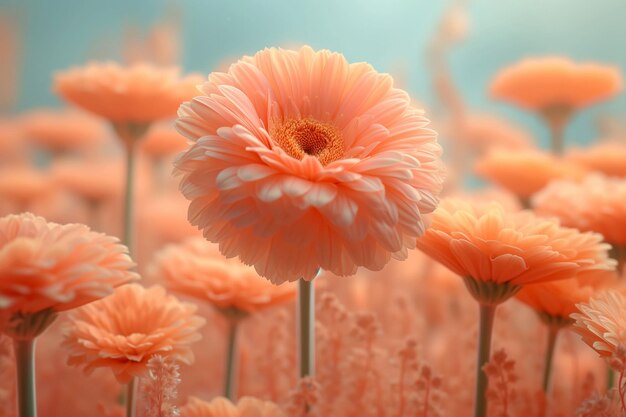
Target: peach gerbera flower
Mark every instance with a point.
(22, 185)
(140, 93)
(303, 161)
(558, 299)
(92, 179)
(222, 407)
(123, 331)
(483, 132)
(555, 88)
(62, 130)
(196, 268)
(606, 157)
(58, 267)
(525, 172)
(595, 204)
(163, 140)
(540, 84)
(602, 323)
(487, 244)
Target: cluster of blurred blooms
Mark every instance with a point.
(394, 342)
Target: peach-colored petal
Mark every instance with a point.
(123, 331)
(541, 83)
(595, 204)
(602, 323)
(606, 157)
(50, 266)
(196, 268)
(163, 140)
(62, 130)
(303, 161)
(486, 243)
(222, 407)
(526, 172)
(140, 93)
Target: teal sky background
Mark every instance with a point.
(389, 34)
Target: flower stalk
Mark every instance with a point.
(306, 329)
(485, 331)
(26, 391)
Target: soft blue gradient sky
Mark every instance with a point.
(389, 34)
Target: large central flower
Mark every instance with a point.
(303, 161)
(299, 137)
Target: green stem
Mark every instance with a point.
(26, 392)
(485, 330)
(128, 196)
(306, 329)
(610, 379)
(130, 397)
(553, 332)
(231, 360)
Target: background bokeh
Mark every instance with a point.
(391, 34)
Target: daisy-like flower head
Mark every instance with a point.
(525, 172)
(125, 330)
(140, 93)
(63, 130)
(606, 157)
(163, 140)
(303, 161)
(197, 268)
(556, 300)
(546, 84)
(486, 244)
(47, 266)
(595, 204)
(602, 323)
(222, 407)
(483, 132)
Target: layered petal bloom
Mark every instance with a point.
(595, 204)
(62, 130)
(525, 172)
(50, 266)
(602, 323)
(487, 244)
(222, 407)
(484, 132)
(163, 140)
(541, 84)
(558, 299)
(303, 161)
(95, 180)
(123, 331)
(606, 157)
(196, 268)
(140, 93)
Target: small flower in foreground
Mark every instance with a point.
(489, 245)
(303, 161)
(196, 268)
(221, 407)
(602, 325)
(125, 330)
(557, 299)
(140, 93)
(47, 266)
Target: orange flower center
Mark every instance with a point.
(299, 137)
